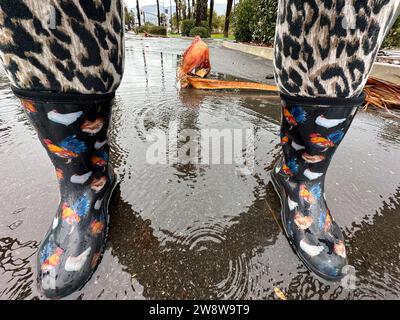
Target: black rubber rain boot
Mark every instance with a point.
(311, 131)
(73, 129)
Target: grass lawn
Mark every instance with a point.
(213, 36)
(221, 36)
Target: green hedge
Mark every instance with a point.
(243, 19)
(140, 29)
(255, 20)
(204, 24)
(199, 31)
(393, 38)
(186, 26)
(189, 29)
(263, 30)
(158, 30)
(152, 29)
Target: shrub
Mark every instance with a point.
(186, 26)
(243, 20)
(255, 20)
(204, 24)
(140, 29)
(148, 25)
(199, 31)
(393, 37)
(151, 28)
(263, 30)
(159, 30)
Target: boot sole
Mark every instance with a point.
(281, 191)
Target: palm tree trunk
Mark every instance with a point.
(183, 10)
(138, 12)
(211, 15)
(177, 14)
(158, 12)
(201, 11)
(227, 17)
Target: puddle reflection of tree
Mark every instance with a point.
(390, 130)
(264, 112)
(174, 270)
(118, 153)
(146, 73)
(162, 71)
(187, 119)
(16, 267)
(374, 251)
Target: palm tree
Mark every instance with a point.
(227, 17)
(189, 13)
(211, 15)
(129, 18)
(201, 11)
(138, 12)
(177, 14)
(183, 9)
(158, 12)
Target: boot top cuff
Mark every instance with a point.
(324, 101)
(61, 97)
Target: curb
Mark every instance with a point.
(385, 71)
(263, 52)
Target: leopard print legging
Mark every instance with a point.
(63, 46)
(326, 48)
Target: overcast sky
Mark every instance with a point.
(132, 3)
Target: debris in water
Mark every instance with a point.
(280, 294)
(195, 66)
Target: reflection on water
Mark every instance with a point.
(16, 267)
(379, 264)
(192, 231)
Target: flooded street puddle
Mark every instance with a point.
(201, 231)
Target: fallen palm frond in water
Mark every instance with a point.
(201, 83)
(382, 94)
(195, 66)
